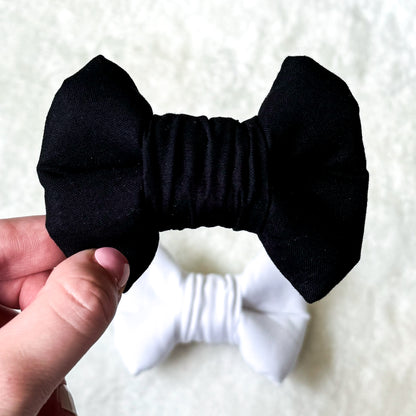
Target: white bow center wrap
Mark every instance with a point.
(258, 310)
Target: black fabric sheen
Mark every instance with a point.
(116, 175)
(205, 172)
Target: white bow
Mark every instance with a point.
(258, 310)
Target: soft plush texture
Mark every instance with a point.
(257, 310)
(218, 58)
(115, 174)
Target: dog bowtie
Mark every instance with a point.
(295, 174)
(258, 310)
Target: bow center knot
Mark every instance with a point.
(210, 309)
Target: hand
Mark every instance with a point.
(66, 306)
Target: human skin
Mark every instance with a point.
(66, 306)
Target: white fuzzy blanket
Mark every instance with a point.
(220, 58)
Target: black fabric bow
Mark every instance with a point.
(115, 174)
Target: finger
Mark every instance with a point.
(27, 253)
(26, 247)
(72, 310)
(61, 402)
(20, 292)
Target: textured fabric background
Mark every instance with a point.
(220, 58)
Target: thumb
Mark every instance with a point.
(41, 345)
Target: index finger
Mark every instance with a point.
(26, 247)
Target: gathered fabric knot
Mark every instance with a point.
(200, 171)
(210, 309)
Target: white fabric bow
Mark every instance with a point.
(258, 310)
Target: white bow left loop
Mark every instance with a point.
(258, 310)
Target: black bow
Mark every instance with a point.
(115, 174)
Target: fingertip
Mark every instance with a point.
(115, 263)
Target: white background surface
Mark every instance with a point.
(220, 58)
